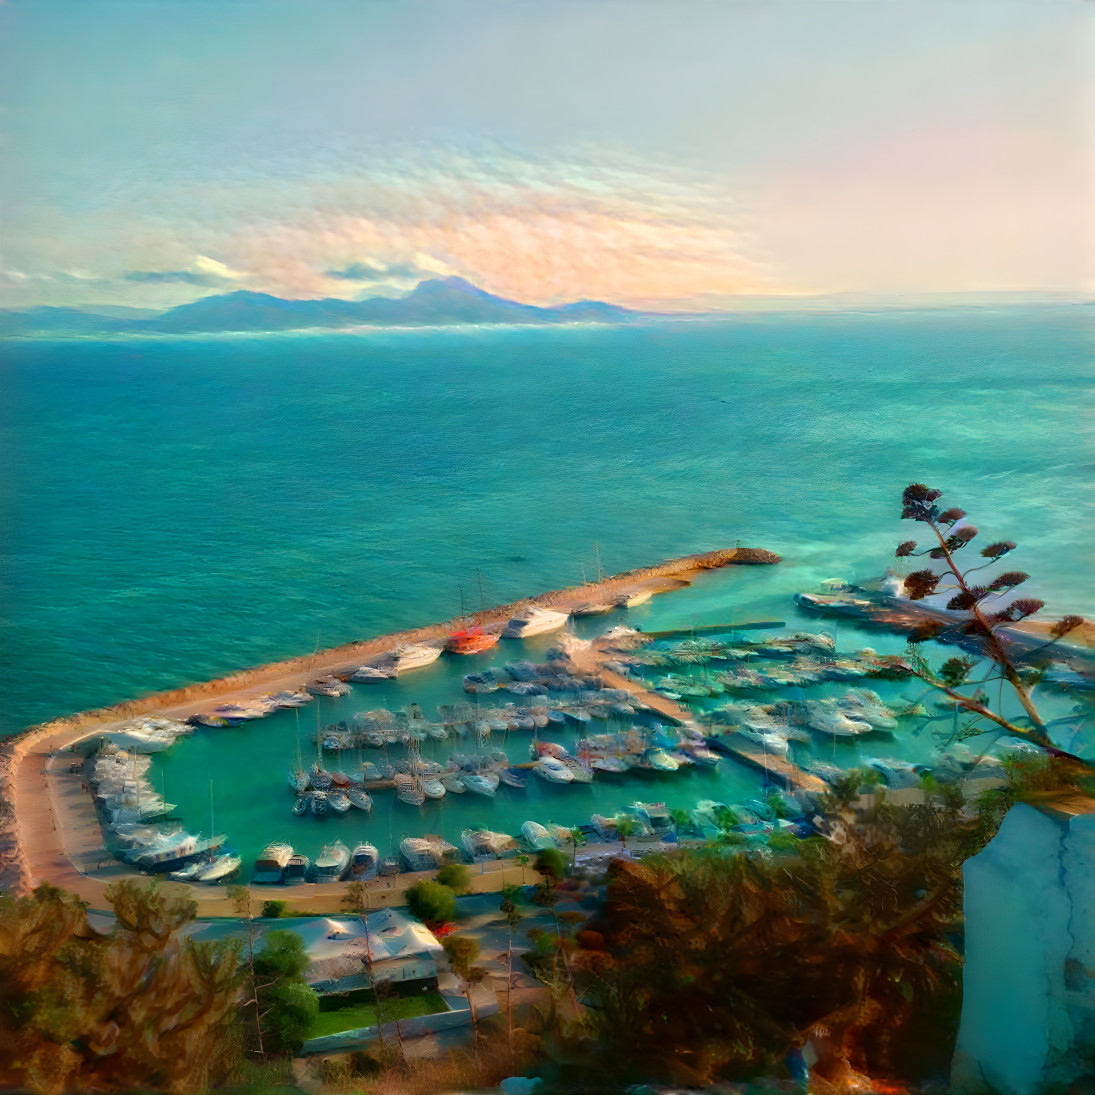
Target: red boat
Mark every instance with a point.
(471, 640)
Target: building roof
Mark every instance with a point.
(336, 944)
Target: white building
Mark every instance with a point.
(1028, 1000)
(401, 950)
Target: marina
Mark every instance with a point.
(568, 732)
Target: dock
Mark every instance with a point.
(719, 629)
(755, 756)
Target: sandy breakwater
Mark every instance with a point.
(44, 832)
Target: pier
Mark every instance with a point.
(790, 775)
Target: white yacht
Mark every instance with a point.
(482, 783)
(533, 620)
(408, 656)
(219, 868)
(271, 862)
(553, 770)
(536, 836)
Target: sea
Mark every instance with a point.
(179, 509)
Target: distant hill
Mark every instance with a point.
(439, 302)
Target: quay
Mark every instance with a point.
(48, 828)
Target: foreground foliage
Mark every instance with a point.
(144, 1007)
(989, 605)
(717, 963)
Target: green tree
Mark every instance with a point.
(432, 902)
(273, 910)
(577, 840)
(456, 876)
(987, 610)
(551, 863)
(719, 961)
(286, 1003)
(463, 951)
(626, 827)
(512, 913)
(681, 821)
(355, 899)
(240, 896)
(142, 1007)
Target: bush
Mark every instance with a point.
(432, 902)
(456, 876)
(551, 862)
(274, 910)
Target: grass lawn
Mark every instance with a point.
(364, 1015)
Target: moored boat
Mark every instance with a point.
(329, 686)
(408, 656)
(417, 854)
(482, 783)
(432, 787)
(339, 802)
(364, 861)
(631, 600)
(331, 862)
(300, 805)
(533, 620)
(219, 868)
(536, 836)
(592, 608)
(319, 803)
(370, 674)
(553, 770)
(270, 865)
(452, 783)
(470, 640)
(361, 799)
(296, 870)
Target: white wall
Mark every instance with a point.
(1029, 980)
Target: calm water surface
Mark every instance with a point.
(180, 509)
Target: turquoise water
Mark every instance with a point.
(181, 509)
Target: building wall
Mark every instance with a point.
(1028, 1007)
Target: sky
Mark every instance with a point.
(652, 154)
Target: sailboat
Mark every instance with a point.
(298, 778)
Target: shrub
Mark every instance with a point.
(432, 902)
(456, 876)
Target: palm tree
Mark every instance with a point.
(577, 838)
(625, 827)
(680, 819)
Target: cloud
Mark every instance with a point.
(165, 277)
(369, 270)
(539, 231)
(204, 272)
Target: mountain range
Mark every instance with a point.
(438, 302)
